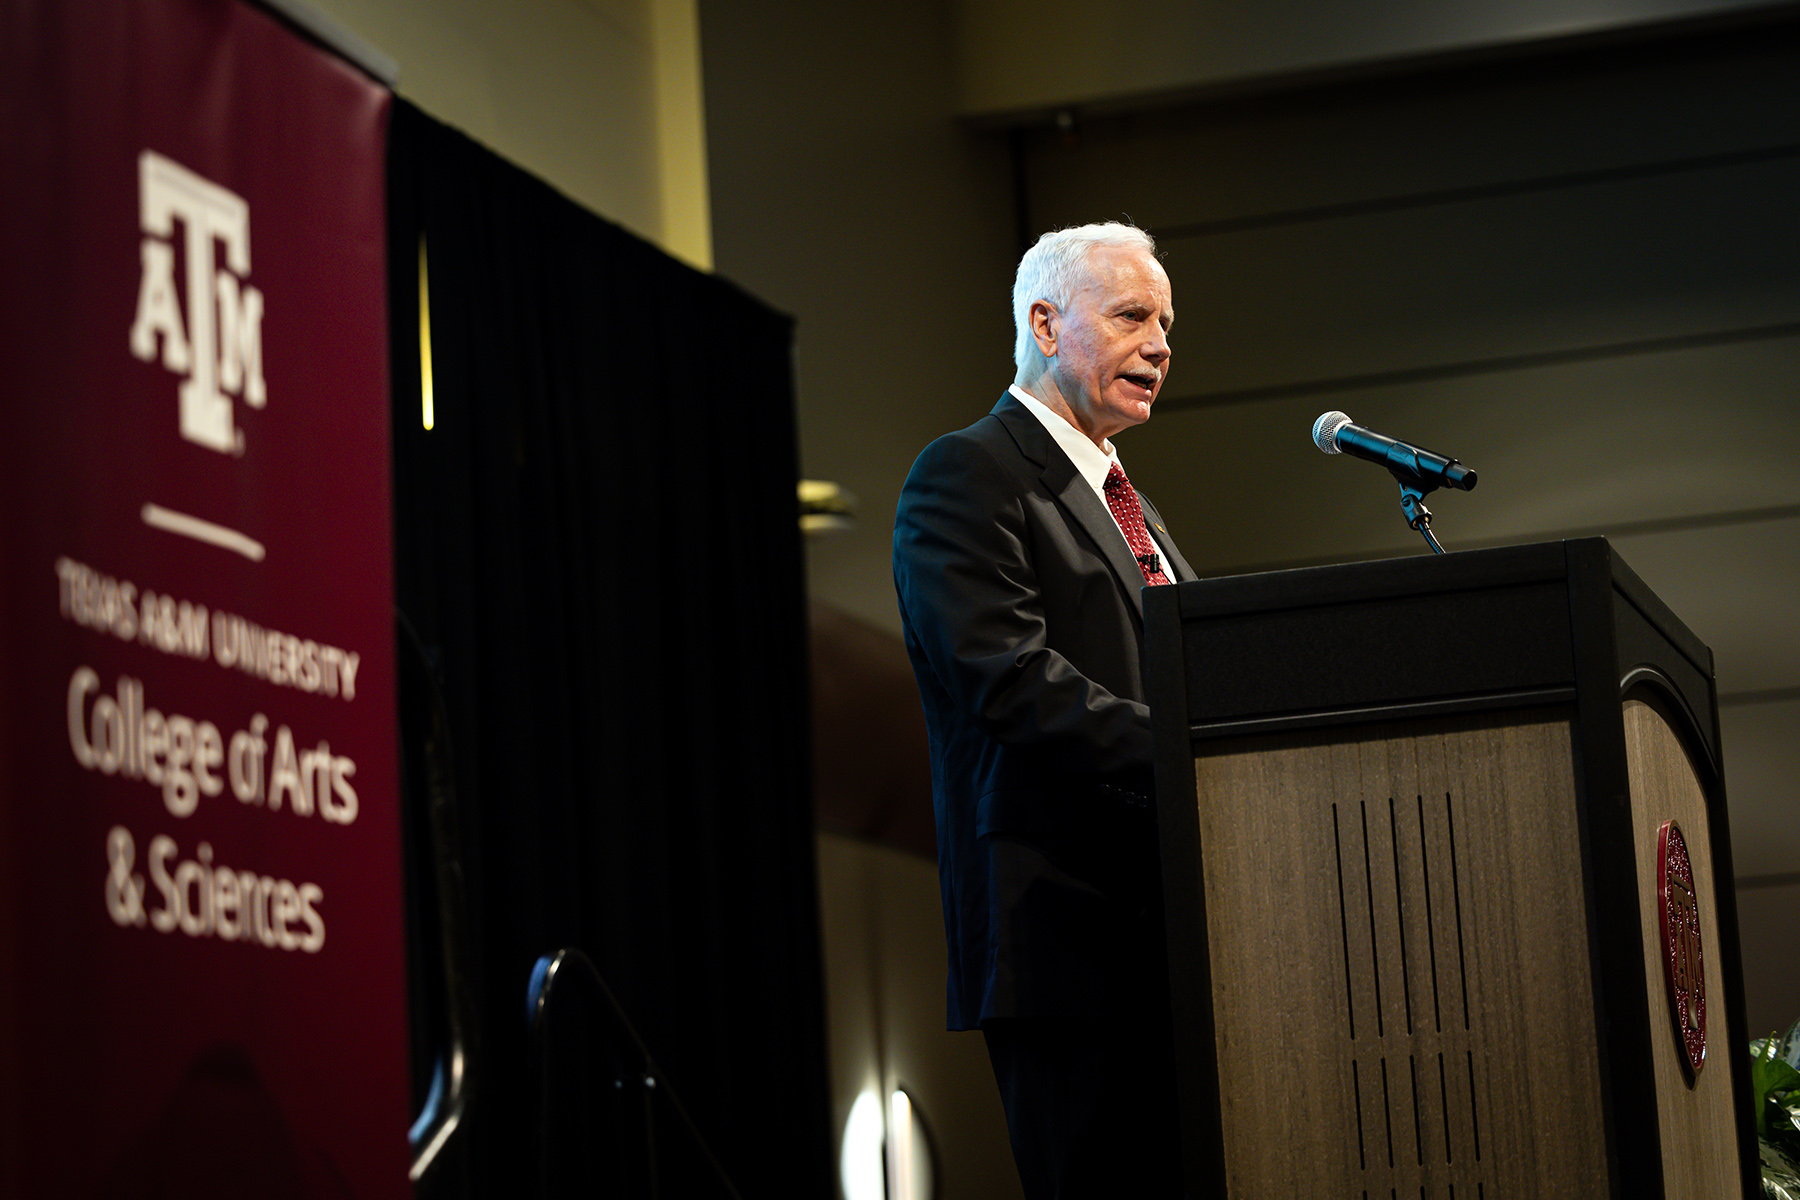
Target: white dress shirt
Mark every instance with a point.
(1093, 463)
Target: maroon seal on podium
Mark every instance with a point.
(1683, 966)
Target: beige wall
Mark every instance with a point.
(601, 98)
(884, 974)
(1017, 57)
(846, 192)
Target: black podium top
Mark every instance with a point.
(1404, 637)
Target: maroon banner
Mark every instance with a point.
(201, 935)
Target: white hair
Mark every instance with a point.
(1053, 269)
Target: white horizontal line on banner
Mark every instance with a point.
(156, 516)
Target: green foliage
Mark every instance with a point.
(1775, 1082)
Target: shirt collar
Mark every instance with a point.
(1091, 462)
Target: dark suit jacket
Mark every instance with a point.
(1024, 621)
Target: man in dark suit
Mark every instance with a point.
(1020, 553)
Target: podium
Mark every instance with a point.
(1418, 873)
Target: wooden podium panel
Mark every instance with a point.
(1410, 814)
(1665, 784)
(1387, 877)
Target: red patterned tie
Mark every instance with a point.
(1126, 511)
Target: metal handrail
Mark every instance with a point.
(648, 1075)
(452, 1073)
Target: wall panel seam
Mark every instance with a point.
(1441, 197)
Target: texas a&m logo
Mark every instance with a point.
(216, 344)
(1684, 967)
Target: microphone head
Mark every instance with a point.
(1325, 430)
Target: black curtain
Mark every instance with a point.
(597, 547)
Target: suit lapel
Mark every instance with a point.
(1075, 497)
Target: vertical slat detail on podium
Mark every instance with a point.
(1698, 1124)
(1400, 967)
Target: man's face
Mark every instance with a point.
(1112, 345)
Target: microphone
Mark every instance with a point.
(1334, 433)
